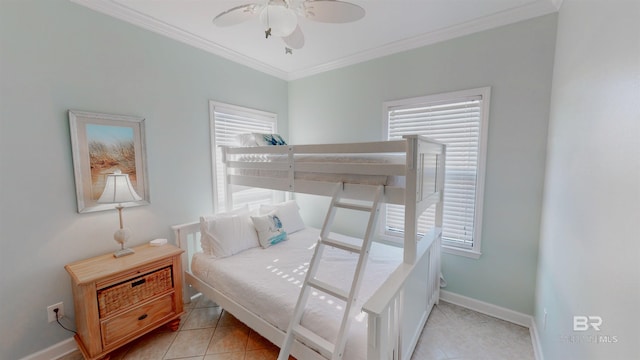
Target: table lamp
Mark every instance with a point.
(118, 190)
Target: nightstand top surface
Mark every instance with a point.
(103, 266)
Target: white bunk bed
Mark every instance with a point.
(398, 308)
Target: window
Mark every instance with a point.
(460, 120)
(227, 121)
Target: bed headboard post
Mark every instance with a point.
(187, 239)
(410, 196)
(440, 173)
(291, 173)
(424, 187)
(412, 149)
(228, 193)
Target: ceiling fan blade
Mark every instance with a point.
(332, 11)
(295, 40)
(237, 15)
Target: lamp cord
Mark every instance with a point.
(59, 323)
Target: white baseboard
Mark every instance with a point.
(535, 339)
(498, 312)
(487, 309)
(55, 351)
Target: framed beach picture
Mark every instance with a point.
(104, 144)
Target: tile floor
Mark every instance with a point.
(209, 333)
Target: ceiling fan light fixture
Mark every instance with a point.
(280, 19)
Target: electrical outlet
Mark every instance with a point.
(51, 315)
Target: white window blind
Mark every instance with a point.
(458, 120)
(228, 121)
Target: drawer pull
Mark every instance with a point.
(142, 317)
(139, 282)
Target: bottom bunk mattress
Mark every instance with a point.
(267, 282)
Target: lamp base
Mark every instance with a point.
(123, 252)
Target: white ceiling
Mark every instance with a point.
(389, 26)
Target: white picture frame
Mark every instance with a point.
(101, 144)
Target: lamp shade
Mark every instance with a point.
(118, 189)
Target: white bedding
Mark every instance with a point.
(267, 282)
(327, 158)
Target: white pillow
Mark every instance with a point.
(269, 228)
(246, 140)
(229, 233)
(289, 214)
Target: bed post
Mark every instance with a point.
(440, 169)
(228, 193)
(182, 233)
(440, 178)
(411, 197)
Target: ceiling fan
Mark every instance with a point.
(280, 17)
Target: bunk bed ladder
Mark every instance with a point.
(296, 330)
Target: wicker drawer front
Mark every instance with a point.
(131, 292)
(135, 320)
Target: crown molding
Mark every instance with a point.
(527, 11)
(129, 15)
(557, 4)
(521, 13)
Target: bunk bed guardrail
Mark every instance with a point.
(280, 174)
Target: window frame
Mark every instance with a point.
(220, 205)
(485, 93)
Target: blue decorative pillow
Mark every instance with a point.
(269, 139)
(269, 228)
(257, 139)
(289, 214)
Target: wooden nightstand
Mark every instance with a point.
(117, 300)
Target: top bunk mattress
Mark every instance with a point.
(267, 282)
(323, 159)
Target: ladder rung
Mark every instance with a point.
(342, 245)
(315, 341)
(329, 289)
(354, 206)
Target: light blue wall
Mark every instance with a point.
(345, 105)
(56, 56)
(589, 234)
